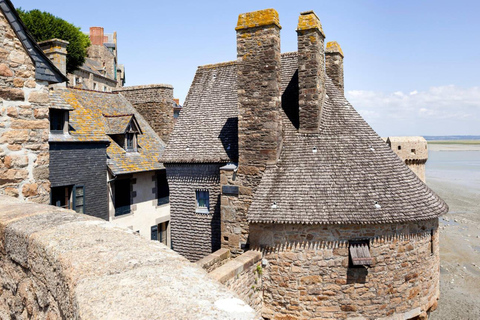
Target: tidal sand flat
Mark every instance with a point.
(453, 172)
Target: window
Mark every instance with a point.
(203, 201)
(79, 196)
(160, 233)
(399, 147)
(69, 197)
(121, 198)
(413, 151)
(154, 233)
(163, 194)
(130, 142)
(359, 253)
(62, 197)
(58, 120)
(94, 86)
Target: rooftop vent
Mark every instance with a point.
(274, 205)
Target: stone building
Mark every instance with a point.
(104, 162)
(101, 71)
(269, 155)
(25, 74)
(413, 151)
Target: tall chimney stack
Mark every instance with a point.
(97, 36)
(258, 80)
(334, 64)
(311, 71)
(56, 51)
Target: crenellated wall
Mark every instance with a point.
(57, 264)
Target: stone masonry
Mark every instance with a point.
(259, 120)
(334, 64)
(308, 273)
(413, 151)
(57, 264)
(24, 124)
(311, 71)
(155, 104)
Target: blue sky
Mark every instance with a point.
(411, 67)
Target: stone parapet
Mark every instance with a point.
(243, 275)
(56, 264)
(214, 260)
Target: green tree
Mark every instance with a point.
(44, 26)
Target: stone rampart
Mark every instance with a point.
(243, 275)
(155, 104)
(309, 274)
(57, 264)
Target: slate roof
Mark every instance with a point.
(44, 68)
(88, 124)
(206, 130)
(118, 124)
(95, 67)
(344, 174)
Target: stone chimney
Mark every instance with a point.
(334, 64)
(258, 81)
(97, 36)
(56, 51)
(311, 71)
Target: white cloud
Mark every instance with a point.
(438, 111)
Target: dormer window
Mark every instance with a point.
(124, 130)
(131, 142)
(58, 121)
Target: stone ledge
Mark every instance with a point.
(236, 266)
(95, 270)
(214, 258)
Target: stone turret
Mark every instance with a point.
(334, 64)
(311, 71)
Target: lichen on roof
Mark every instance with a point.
(333, 47)
(89, 124)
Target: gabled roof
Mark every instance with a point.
(344, 174)
(120, 124)
(89, 124)
(44, 68)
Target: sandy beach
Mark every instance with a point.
(457, 181)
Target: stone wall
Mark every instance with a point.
(155, 104)
(82, 164)
(57, 264)
(243, 275)
(103, 55)
(308, 273)
(194, 235)
(24, 125)
(233, 211)
(413, 151)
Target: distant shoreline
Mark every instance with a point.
(455, 145)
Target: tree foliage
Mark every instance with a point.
(45, 26)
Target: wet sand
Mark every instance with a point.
(459, 237)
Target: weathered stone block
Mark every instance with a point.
(38, 97)
(5, 70)
(13, 94)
